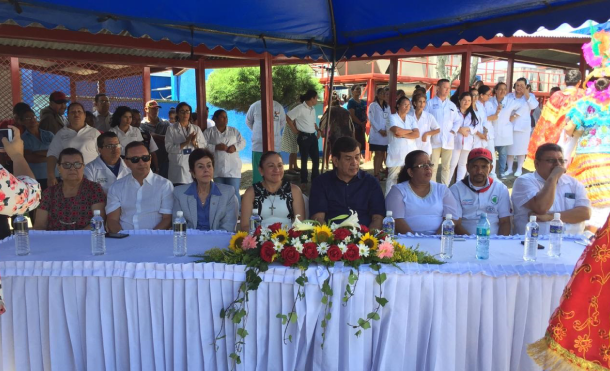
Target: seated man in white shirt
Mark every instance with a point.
(142, 200)
(108, 166)
(549, 190)
(478, 193)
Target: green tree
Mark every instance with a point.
(237, 88)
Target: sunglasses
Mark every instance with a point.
(69, 165)
(424, 166)
(136, 159)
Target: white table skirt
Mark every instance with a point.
(114, 313)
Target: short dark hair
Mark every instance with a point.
(497, 86)
(75, 104)
(521, 79)
(308, 95)
(265, 156)
(353, 87)
(97, 96)
(573, 77)
(442, 81)
(399, 101)
(410, 159)
(102, 137)
(217, 113)
(69, 152)
(197, 155)
(20, 109)
(135, 144)
(547, 147)
(602, 84)
(483, 89)
(118, 113)
(344, 144)
(133, 110)
(554, 90)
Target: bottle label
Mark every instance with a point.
(556, 229)
(448, 231)
(534, 232)
(178, 227)
(483, 231)
(20, 227)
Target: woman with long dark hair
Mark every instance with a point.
(402, 133)
(468, 125)
(379, 116)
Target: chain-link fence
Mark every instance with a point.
(80, 81)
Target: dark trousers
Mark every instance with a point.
(308, 147)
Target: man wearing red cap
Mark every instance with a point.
(478, 193)
(52, 117)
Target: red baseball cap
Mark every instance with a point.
(58, 97)
(477, 153)
(152, 104)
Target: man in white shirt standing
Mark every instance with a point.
(108, 167)
(444, 111)
(549, 190)
(102, 115)
(254, 120)
(479, 193)
(142, 200)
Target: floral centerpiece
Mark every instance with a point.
(342, 239)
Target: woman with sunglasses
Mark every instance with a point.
(418, 204)
(69, 205)
(180, 141)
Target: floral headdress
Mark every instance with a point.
(597, 54)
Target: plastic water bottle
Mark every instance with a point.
(98, 234)
(389, 225)
(179, 234)
(555, 236)
(531, 240)
(255, 221)
(447, 233)
(22, 236)
(483, 232)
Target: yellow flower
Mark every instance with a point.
(583, 343)
(370, 241)
(403, 255)
(281, 236)
(322, 233)
(236, 241)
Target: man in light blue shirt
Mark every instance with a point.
(35, 145)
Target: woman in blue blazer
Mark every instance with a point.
(206, 205)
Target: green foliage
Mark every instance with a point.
(237, 88)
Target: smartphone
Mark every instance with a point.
(116, 235)
(6, 133)
(540, 247)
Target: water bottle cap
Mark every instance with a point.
(179, 214)
(483, 215)
(254, 211)
(533, 218)
(557, 216)
(448, 217)
(96, 213)
(388, 213)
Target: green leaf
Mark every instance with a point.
(374, 316)
(352, 278)
(381, 278)
(325, 299)
(344, 216)
(222, 313)
(235, 357)
(330, 304)
(366, 325)
(375, 266)
(361, 322)
(328, 316)
(323, 324)
(381, 301)
(301, 280)
(290, 338)
(358, 333)
(242, 332)
(293, 317)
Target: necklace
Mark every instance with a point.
(418, 196)
(272, 204)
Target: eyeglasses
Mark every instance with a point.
(554, 161)
(69, 165)
(184, 112)
(111, 146)
(136, 159)
(424, 166)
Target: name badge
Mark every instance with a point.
(571, 196)
(187, 151)
(385, 115)
(435, 106)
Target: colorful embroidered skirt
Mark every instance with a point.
(593, 171)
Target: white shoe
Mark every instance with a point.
(507, 173)
(518, 173)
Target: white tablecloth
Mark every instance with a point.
(139, 308)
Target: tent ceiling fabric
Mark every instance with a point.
(304, 28)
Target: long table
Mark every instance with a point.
(139, 308)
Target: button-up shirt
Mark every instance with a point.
(85, 140)
(334, 197)
(569, 194)
(203, 210)
(305, 118)
(97, 171)
(102, 123)
(254, 120)
(141, 206)
(132, 135)
(32, 143)
(226, 165)
(425, 123)
(444, 112)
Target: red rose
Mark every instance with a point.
(352, 253)
(341, 234)
(267, 251)
(334, 253)
(310, 250)
(275, 227)
(364, 229)
(257, 232)
(290, 255)
(294, 234)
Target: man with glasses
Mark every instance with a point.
(479, 193)
(549, 190)
(52, 117)
(102, 115)
(108, 167)
(142, 200)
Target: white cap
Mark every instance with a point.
(388, 213)
(448, 216)
(179, 214)
(557, 216)
(96, 213)
(254, 211)
(533, 218)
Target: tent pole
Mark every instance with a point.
(328, 111)
(267, 103)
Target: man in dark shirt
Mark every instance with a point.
(347, 188)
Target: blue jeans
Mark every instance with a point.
(233, 182)
(502, 153)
